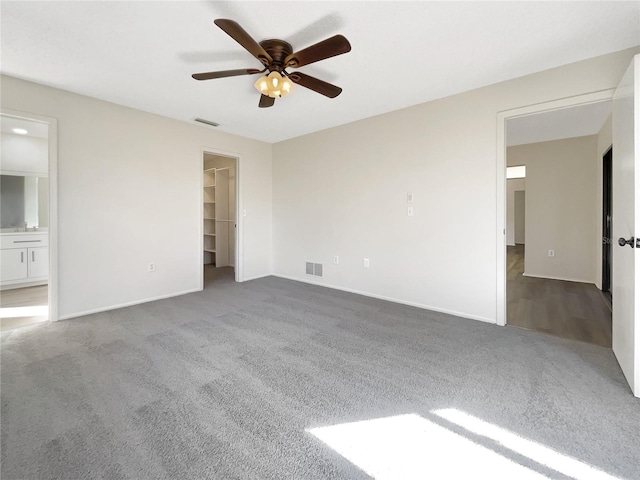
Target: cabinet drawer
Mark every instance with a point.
(24, 241)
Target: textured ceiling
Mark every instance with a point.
(141, 54)
(557, 124)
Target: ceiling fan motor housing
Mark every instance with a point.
(278, 50)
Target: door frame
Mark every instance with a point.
(607, 205)
(52, 124)
(239, 237)
(501, 181)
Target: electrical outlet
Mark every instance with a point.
(365, 262)
(552, 253)
(336, 260)
(410, 211)
(152, 267)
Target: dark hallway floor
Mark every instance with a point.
(571, 310)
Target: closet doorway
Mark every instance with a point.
(219, 219)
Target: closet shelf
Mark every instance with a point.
(216, 202)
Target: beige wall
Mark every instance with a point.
(513, 185)
(520, 216)
(561, 212)
(129, 194)
(343, 192)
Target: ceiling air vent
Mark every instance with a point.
(207, 122)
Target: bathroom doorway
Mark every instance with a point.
(27, 215)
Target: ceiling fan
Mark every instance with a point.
(276, 55)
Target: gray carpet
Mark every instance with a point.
(223, 384)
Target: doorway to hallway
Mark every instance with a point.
(552, 223)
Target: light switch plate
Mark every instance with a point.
(410, 211)
(365, 262)
(409, 197)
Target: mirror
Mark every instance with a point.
(25, 202)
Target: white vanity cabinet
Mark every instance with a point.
(25, 259)
(14, 264)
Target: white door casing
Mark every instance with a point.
(625, 223)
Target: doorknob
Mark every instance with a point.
(622, 242)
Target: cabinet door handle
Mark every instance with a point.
(33, 256)
(21, 257)
(27, 241)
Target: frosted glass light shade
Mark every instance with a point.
(261, 85)
(287, 86)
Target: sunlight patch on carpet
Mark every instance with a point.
(408, 446)
(537, 452)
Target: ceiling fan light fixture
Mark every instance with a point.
(274, 55)
(274, 85)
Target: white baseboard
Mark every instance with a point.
(389, 299)
(533, 275)
(257, 277)
(24, 284)
(127, 304)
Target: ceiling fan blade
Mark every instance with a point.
(315, 84)
(235, 31)
(266, 101)
(328, 48)
(225, 73)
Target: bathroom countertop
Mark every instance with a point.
(29, 232)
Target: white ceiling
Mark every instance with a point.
(141, 54)
(557, 124)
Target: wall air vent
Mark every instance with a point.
(207, 122)
(314, 269)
